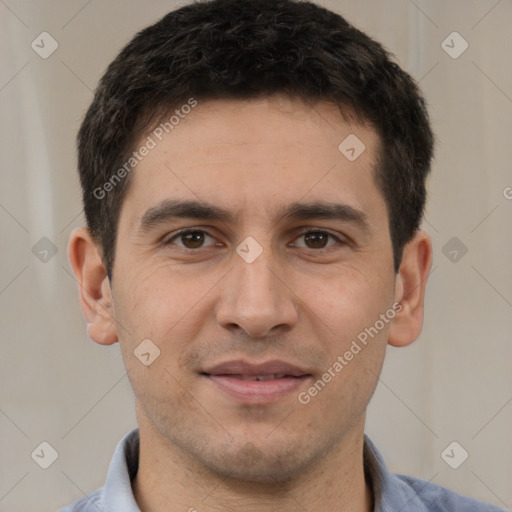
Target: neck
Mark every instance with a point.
(168, 480)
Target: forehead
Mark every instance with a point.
(256, 156)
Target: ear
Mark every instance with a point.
(94, 287)
(410, 286)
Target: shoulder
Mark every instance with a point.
(116, 494)
(90, 503)
(439, 499)
(394, 492)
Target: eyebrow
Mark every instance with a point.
(172, 209)
(326, 211)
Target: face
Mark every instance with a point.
(261, 282)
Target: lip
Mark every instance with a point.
(227, 377)
(241, 367)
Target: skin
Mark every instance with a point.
(199, 448)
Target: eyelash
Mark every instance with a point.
(170, 241)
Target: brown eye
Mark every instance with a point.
(190, 239)
(317, 239)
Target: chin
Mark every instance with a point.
(251, 464)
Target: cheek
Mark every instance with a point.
(164, 307)
(350, 300)
(151, 308)
(354, 364)
(151, 299)
(355, 339)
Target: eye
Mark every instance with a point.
(317, 239)
(190, 239)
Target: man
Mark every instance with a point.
(253, 178)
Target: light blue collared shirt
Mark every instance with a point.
(392, 493)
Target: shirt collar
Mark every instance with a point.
(118, 493)
(391, 494)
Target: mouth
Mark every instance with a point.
(259, 377)
(256, 383)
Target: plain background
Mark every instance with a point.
(453, 384)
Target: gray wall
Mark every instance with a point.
(453, 384)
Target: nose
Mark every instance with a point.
(257, 298)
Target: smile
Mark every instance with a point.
(257, 389)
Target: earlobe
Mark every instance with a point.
(94, 286)
(411, 283)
